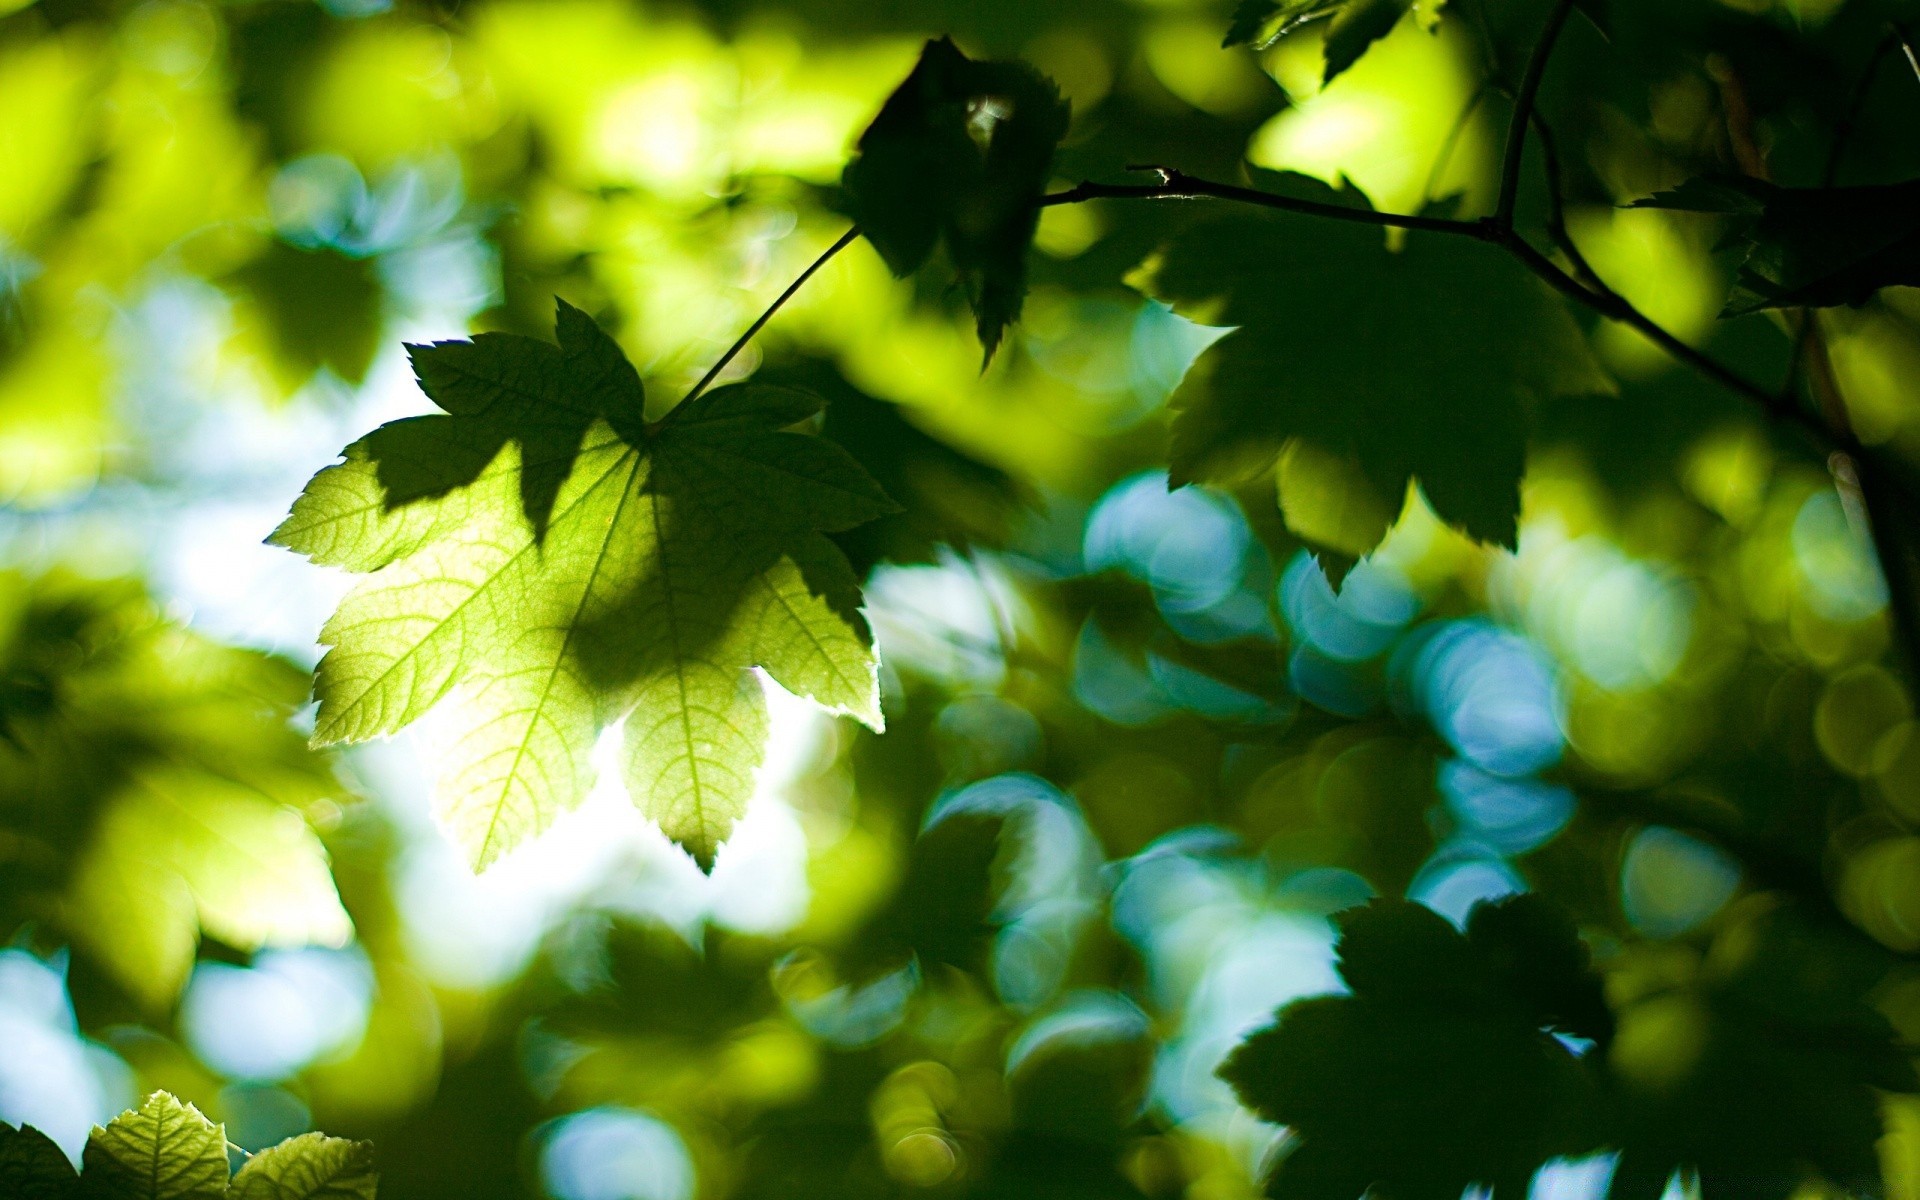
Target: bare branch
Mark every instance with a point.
(1523, 113)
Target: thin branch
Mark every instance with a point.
(1557, 230)
(1178, 185)
(1523, 112)
(1856, 104)
(740, 343)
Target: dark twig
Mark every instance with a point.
(1523, 113)
(1178, 185)
(740, 343)
(1557, 230)
(1856, 104)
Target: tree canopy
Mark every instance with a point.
(1123, 599)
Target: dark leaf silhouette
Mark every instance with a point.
(32, 1167)
(1354, 25)
(959, 155)
(1761, 1073)
(1814, 247)
(1437, 1073)
(1371, 368)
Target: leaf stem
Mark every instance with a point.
(1523, 111)
(740, 343)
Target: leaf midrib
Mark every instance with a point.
(492, 578)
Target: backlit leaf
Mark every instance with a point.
(163, 1150)
(309, 1167)
(550, 565)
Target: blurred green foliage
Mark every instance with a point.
(1501, 764)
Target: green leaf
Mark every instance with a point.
(548, 565)
(154, 787)
(1814, 247)
(960, 154)
(947, 497)
(163, 1150)
(1420, 365)
(309, 1167)
(320, 308)
(1355, 24)
(32, 1167)
(1433, 1076)
(1767, 1068)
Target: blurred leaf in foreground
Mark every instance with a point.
(1766, 1069)
(150, 786)
(554, 564)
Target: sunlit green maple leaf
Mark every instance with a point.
(311, 1166)
(32, 1167)
(1437, 1073)
(544, 564)
(959, 155)
(1417, 365)
(163, 1150)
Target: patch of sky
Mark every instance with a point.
(50, 1077)
(1225, 947)
(1490, 692)
(1049, 886)
(612, 1153)
(267, 1021)
(1672, 883)
(1192, 547)
(950, 620)
(1459, 877)
(1509, 816)
(1332, 684)
(1163, 347)
(1361, 621)
(850, 1015)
